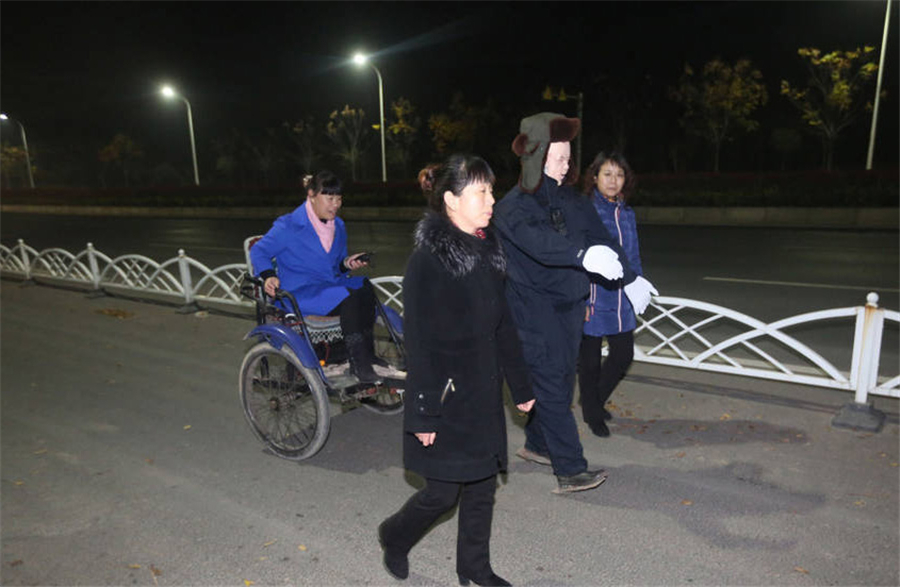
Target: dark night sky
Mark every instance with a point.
(90, 69)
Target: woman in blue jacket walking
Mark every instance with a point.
(608, 183)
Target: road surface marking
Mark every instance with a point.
(205, 248)
(796, 284)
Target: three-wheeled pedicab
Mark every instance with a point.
(299, 364)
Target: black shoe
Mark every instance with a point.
(599, 428)
(580, 482)
(492, 579)
(606, 415)
(361, 359)
(395, 564)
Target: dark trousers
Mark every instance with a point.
(476, 511)
(595, 382)
(357, 311)
(550, 343)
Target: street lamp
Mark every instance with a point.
(887, 17)
(360, 59)
(169, 93)
(25, 146)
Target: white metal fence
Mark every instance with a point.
(674, 331)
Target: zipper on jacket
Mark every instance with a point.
(621, 244)
(447, 388)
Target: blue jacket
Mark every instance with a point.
(316, 278)
(611, 312)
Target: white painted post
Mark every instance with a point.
(25, 262)
(185, 271)
(92, 264)
(870, 355)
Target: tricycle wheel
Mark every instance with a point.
(284, 402)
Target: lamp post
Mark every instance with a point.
(25, 146)
(549, 94)
(887, 17)
(361, 59)
(169, 93)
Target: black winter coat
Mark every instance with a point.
(460, 342)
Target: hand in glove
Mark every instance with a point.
(639, 292)
(604, 261)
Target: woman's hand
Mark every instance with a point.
(426, 438)
(353, 263)
(526, 407)
(270, 285)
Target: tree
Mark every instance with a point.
(785, 142)
(402, 133)
(123, 153)
(12, 164)
(266, 154)
(721, 102)
(831, 100)
(348, 132)
(303, 135)
(463, 126)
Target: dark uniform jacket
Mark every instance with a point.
(460, 342)
(541, 261)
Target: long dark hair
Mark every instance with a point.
(453, 176)
(590, 176)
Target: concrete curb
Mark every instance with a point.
(855, 218)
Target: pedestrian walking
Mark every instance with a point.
(552, 238)
(608, 183)
(461, 343)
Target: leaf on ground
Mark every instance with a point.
(116, 313)
(302, 547)
(680, 454)
(725, 417)
(248, 582)
(686, 502)
(156, 572)
(40, 451)
(269, 543)
(187, 426)
(16, 562)
(149, 461)
(801, 570)
(882, 454)
(19, 482)
(860, 502)
(893, 464)
(134, 566)
(263, 558)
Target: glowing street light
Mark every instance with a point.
(360, 59)
(170, 93)
(25, 146)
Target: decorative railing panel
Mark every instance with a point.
(674, 331)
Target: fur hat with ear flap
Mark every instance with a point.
(534, 138)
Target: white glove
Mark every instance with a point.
(604, 261)
(639, 292)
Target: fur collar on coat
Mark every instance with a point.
(458, 252)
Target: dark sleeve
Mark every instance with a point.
(267, 248)
(524, 227)
(423, 388)
(512, 361)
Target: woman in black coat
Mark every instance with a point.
(461, 342)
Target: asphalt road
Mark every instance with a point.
(126, 461)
